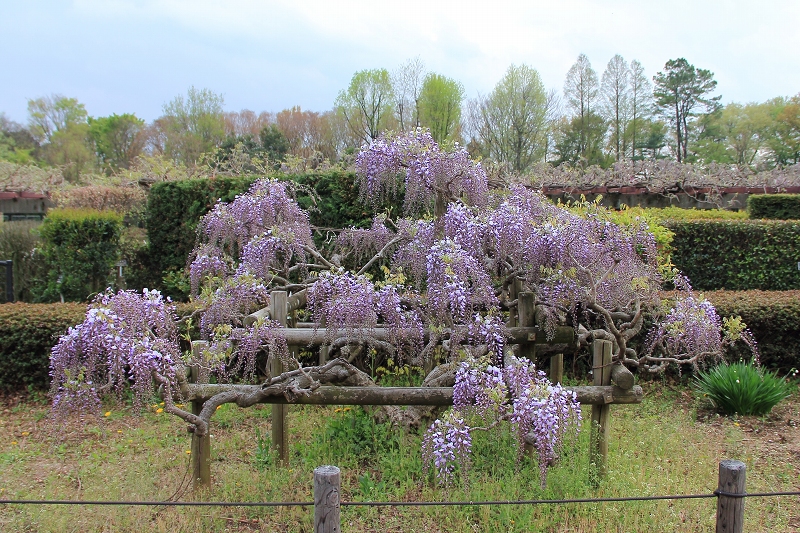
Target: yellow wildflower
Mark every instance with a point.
(107, 413)
(159, 410)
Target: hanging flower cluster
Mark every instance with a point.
(414, 162)
(125, 337)
(485, 396)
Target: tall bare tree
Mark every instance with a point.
(580, 91)
(641, 102)
(615, 91)
(407, 83)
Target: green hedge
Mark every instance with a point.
(774, 206)
(27, 334)
(679, 213)
(774, 319)
(29, 331)
(175, 208)
(79, 249)
(737, 255)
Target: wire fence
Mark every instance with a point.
(714, 494)
(730, 497)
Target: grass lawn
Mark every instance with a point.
(669, 444)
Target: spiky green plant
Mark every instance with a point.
(741, 388)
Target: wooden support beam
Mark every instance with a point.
(201, 445)
(598, 443)
(333, 395)
(305, 336)
(279, 313)
(526, 308)
(293, 303)
(557, 368)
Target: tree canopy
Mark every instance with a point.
(679, 90)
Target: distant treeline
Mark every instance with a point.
(621, 115)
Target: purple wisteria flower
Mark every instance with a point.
(516, 394)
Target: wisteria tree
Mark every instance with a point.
(434, 286)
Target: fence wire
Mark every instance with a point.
(715, 494)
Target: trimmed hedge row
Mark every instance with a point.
(79, 249)
(772, 317)
(774, 206)
(29, 331)
(738, 254)
(27, 334)
(174, 209)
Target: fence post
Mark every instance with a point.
(730, 497)
(279, 313)
(598, 443)
(201, 446)
(327, 482)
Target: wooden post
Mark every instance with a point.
(201, 446)
(279, 312)
(525, 318)
(598, 443)
(514, 288)
(526, 310)
(324, 350)
(557, 368)
(327, 483)
(730, 497)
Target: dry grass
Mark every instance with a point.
(667, 445)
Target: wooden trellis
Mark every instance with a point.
(612, 384)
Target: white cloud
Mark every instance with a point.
(137, 54)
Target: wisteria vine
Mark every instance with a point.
(432, 285)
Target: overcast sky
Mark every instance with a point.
(133, 56)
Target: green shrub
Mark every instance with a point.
(173, 210)
(354, 432)
(17, 242)
(79, 249)
(741, 388)
(27, 334)
(737, 255)
(773, 317)
(139, 271)
(774, 206)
